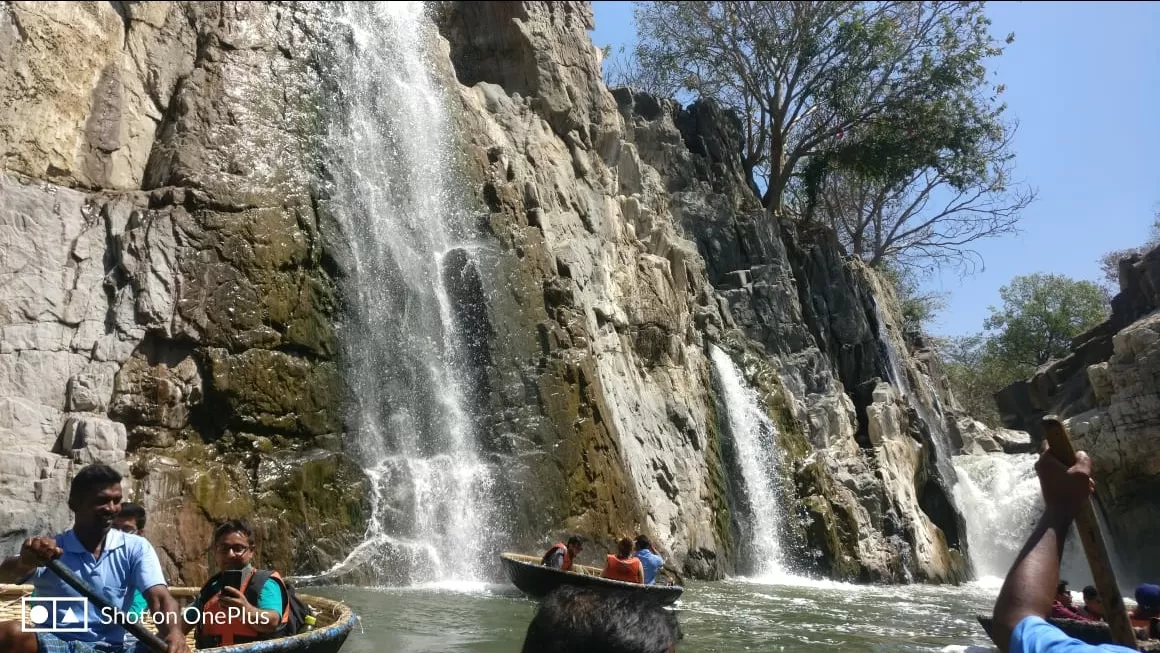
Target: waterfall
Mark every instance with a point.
(1000, 494)
(752, 440)
(387, 154)
(944, 449)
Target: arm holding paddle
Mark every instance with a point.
(35, 552)
(170, 629)
(1030, 585)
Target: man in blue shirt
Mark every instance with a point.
(1029, 589)
(111, 562)
(649, 559)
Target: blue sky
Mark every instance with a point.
(1083, 80)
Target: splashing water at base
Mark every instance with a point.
(755, 453)
(388, 155)
(1000, 494)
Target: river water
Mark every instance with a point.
(721, 617)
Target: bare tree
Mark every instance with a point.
(1110, 262)
(622, 68)
(930, 218)
(803, 74)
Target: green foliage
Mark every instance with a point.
(879, 113)
(919, 308)
(884, 88)
(976, 373)
(1041, 314)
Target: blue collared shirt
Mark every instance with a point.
(1035, 635)
(652, 563)
(127, 562)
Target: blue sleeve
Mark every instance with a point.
(270, 597)
(146, 568)
(1035, 635)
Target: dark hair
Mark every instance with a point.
(1061, 587)
(129, 509)
(642, 542)
(91, 478)
(580, 620)
(576, 539)
(1090, 593)
(234, 526)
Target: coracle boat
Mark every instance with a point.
(334, 622)
(1091, 632)
(536, 580)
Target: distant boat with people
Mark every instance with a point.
(537, 580)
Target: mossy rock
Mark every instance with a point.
(273, 393)
(839, 560)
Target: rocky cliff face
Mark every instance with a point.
(172, 289)
(1106, 390)
(630, 243)
(164, 305)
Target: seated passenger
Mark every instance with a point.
(1061, 606)
(623, 566)
(560, 556)
(113, 563)
(1093, 608)
(649, 559)
(262, 597)
(131, 520)
(1147, 606)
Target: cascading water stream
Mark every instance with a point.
(944, 449)
(391, 191)
(753, 440)
(1001, 494)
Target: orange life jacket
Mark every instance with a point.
(567, 556)
(214, 628)
(629, 571)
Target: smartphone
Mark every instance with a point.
(232, 578)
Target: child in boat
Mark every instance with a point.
(255, 609)
(623, 566)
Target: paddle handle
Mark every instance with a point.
(1093, 543)
(140, 632)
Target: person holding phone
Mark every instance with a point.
(240, 604)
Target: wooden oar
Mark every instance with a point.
(140, 632)
(1093, 542)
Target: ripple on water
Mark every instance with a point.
(723, 617)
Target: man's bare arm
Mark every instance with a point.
(1029, 588)
(34, 552)
(170, 626)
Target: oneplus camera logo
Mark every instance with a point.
(54, 615)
